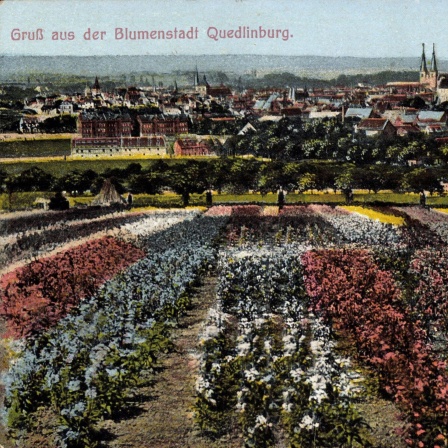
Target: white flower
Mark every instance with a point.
(267, 346)
(243, 348)
(308, 422)
(251, 374)
(297, 374)
(261, 421)
(316, 347)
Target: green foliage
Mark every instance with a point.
(422, 179)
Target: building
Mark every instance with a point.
(160, 124)
(200, 87)
(442, 88)
(105, 124)
(359, 113)
(119, 146)
(110, 134)
(66, 107)
(96, 88)
(432, 122)
(30, 124)
(371, 127)
(429, 77)
(437, 82)
(218, 91)
(190, 147)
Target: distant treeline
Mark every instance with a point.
(289, 79)
(64, 83)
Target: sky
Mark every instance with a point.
(361, 28)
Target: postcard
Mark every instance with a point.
(223, 223)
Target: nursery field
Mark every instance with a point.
(239, 326)
(35, 148)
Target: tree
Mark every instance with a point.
(3, 177)
(133, 168)
(420, 180)
(307, 181)
(147, 182)
(33, 179)
(347, 181)
(58, 202)
(243, 175)
(187, 178)
(380, 177)
(77, 181)
(217, 173)
(272, 176)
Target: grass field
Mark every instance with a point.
(20, 201)
(35, 148)
(61, 167)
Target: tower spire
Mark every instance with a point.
(423, 67)
(197, 76)
(433, 59)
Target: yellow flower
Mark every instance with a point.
(373, 214)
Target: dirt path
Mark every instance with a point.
(164, 418)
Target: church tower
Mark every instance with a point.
(96, 89)
(200, 87)
(423, 67)
(433, 72)
(429, 77)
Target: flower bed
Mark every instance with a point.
(84, 367)
(268, 360)
(437, 222)
(39, 221)
(36, 242)
(357, 228)
(375, 215)
(35, 297)
(349, 291)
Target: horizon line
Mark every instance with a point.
(213, 54)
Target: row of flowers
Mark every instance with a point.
(39, 221)
(36, 242)
(158, 220)
(351, 293)
(319, 225)
(375, 215)
(267, 362)
(356, 228)
(437, 222)
(35, 297)
(86, 364)
(430, 298)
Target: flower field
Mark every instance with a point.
(317, 311)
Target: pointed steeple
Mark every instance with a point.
(196, 80)
(423, 67)
(433, 59)
(175, 86)
(96, 85)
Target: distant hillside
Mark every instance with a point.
(259, 65)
